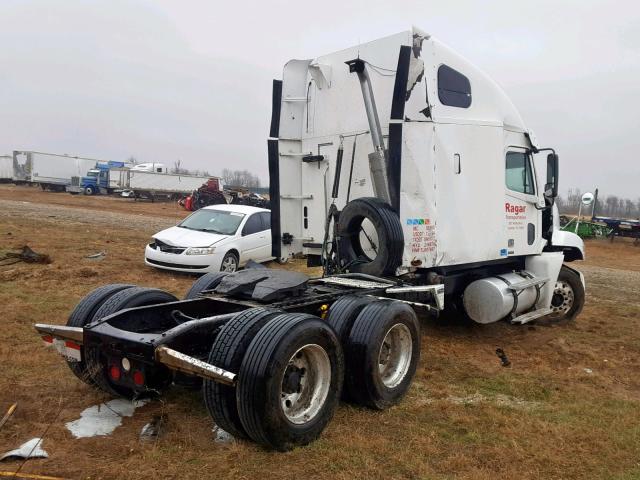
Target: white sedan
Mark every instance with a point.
(212, 239)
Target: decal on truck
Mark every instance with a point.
(515, 215)
(423, 235)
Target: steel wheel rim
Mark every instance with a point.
(229, 264)
(563, 298)
(305, 384)
(394, 358)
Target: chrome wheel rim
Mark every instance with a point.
(563, 298)
(305, 384)
(229, 264)
(394, 358)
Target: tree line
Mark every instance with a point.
(606, 205)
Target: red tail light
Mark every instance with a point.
(114, 372)
(138, 378)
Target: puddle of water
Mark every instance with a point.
(103, 419)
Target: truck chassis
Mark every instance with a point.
(142, 350)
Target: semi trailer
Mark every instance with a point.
(6, 168)
(153, 184)
(49, 170)
(408, 175)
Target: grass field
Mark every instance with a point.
(568, 406)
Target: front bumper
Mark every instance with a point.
(181, 262)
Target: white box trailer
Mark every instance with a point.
(49, 170)
(6, 168)
(152, 185)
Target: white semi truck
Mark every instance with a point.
(410, 177)
(49, 170)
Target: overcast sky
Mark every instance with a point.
(191, 80)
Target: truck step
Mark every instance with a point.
(531, 282)
(353, 282)
(528, 317)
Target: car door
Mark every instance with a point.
(252, 239)
(522, 215)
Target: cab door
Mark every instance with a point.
(523, 219)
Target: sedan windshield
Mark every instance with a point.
(214, 221)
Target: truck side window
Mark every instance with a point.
(454, 89)
(518, 173)
(253, 225)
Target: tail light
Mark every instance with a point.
(114, 372)
(138, 378)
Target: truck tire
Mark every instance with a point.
(89, 190)
(290, 381)
(568, 295)
(383, 354)
(83, 313)
(208, 281)
(343, 313)
(129, 298)
(388, 229)
(227, 352)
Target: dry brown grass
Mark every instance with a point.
(464, 417)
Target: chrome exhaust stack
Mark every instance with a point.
(378, 158)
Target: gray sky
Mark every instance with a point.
(167, 79)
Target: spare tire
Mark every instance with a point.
(388, 245)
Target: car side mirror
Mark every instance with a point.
(551, 187)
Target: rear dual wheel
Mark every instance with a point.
(290, 372)
(381, 341)
(96, 364)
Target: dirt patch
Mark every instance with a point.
(567, 407)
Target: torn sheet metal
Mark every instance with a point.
(31, 449)
(103, 419)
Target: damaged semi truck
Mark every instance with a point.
(409, 176)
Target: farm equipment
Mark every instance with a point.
(439, 211)
(619, 227)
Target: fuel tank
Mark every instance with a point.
(489, 299)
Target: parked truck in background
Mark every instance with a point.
(96, 180)
(437, 209)
(153, 185)
(6, 168)
(49, 170)
(150, 167)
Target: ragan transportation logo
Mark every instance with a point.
(515, 209)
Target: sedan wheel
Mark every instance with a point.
(229, 263)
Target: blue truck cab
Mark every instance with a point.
(96, 181)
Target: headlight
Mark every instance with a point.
(200, 250)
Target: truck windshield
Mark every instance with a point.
(93, 173)
(215, 221)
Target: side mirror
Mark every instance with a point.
(551, 187)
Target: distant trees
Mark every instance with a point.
(240, 178)
(607, 205)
